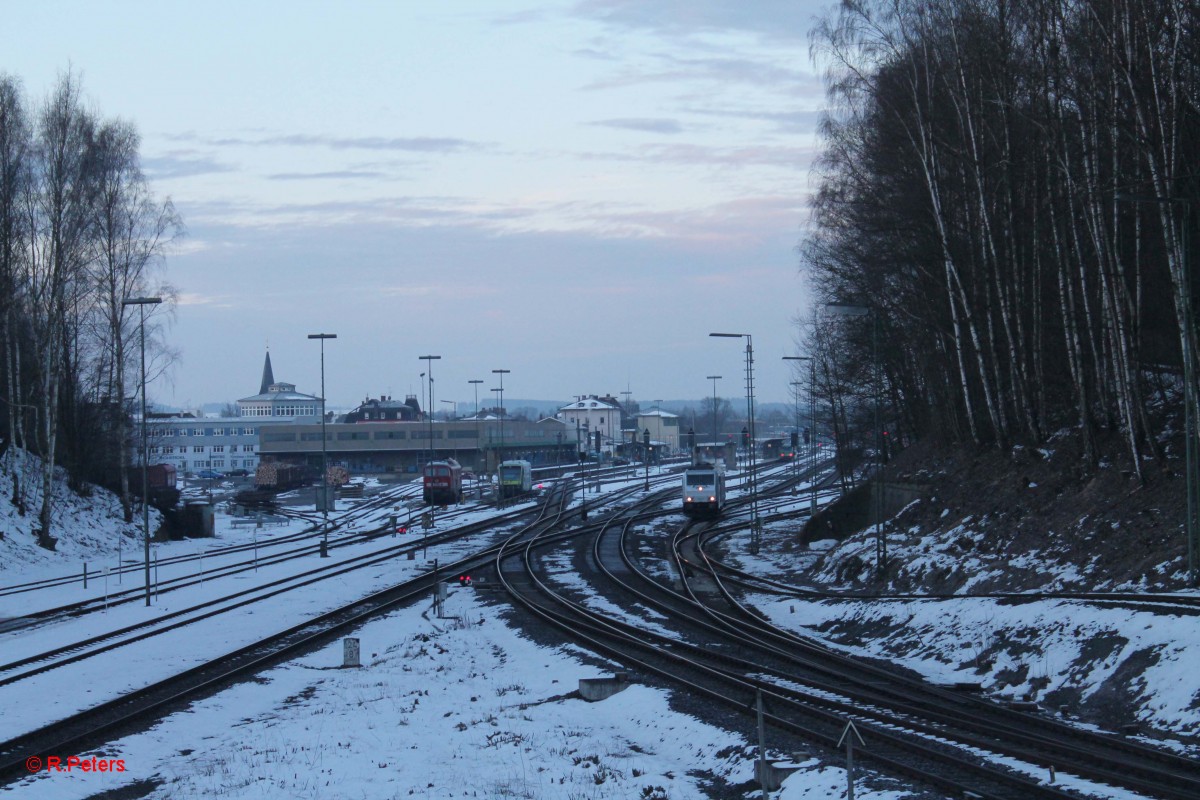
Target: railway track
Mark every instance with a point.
(1168, 603)
(730, 655)
(95, 725)
(1033, 738)
(36, 663)
(344, 530)
(350, 517)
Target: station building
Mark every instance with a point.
(591, 414)
(278, 400)
(403, 446)
(663, 427)
(192, 442)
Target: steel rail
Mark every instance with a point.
(600, 629)
(1111, 760)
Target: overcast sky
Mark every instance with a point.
(578, 192)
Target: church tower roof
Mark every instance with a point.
(268, 376)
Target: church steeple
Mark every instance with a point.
(268, 376)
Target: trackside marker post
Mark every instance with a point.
(762, 739)
(849, 740)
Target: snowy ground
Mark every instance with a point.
(1060, 652)
(439, 706)
(469, 707)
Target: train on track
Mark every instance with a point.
(442, 482)
(704, 490)
(516, 478)
(773, 449)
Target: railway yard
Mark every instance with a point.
(233, 683)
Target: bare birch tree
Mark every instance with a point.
(132, 230)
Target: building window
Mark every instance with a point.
(197, 432)
(218, 462)
(183, 431)
(279, 437)
(168, 450)
(218, 431)
(218, 448)
(198, 449)
(153, 451)
(247, 431)
(169, 432)
(247, 448)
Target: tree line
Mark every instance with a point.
(1009, 193)
(80, 232)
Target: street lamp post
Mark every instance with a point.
(429, 409)
(141, 303)
(501, 373)
(796, 403)
(478, 438)
(852, 310)
(714, 379)
(583, 463)
(499, 450)
(755, 524)
(646, 455)
(812, 422)
(324, 456)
